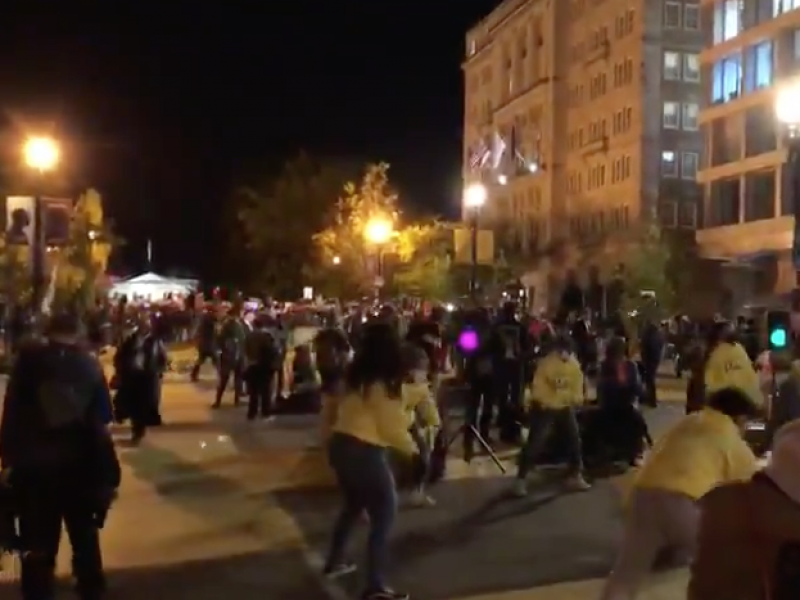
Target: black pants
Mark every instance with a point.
(508, 396)
(649, 371)
(226, 371)
(260, 384)
(203, 354)
(43, 509)
(543, 422)
(480, 406)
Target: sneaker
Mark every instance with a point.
(419, 499)
(520, 489)
(339, 570)
(577, 484)
(385, 595)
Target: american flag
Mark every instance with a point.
(480, 155)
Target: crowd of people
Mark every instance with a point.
(374, 376)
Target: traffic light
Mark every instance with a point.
(779, 327)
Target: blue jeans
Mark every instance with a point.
(367, 485)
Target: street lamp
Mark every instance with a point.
(787, 111)
(337, 260)
(474, 199)
(378, 231)
(41, 154)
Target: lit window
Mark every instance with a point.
(726, 81)
(689, 116)
(763, 65)
(690, 161)
(672, 15)
(731, 20)
(669, 164)
(691, 67)
(691, 17)
(672, 115)
(672, 66)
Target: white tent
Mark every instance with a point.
(151, 287)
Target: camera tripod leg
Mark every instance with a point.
(487, 448)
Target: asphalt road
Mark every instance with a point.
(204, 513)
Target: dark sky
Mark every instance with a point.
(160, 106)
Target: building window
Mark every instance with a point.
(689, 116)
(690, 161)
(691, 67)
(672, 65)
(669, 164)
(763, 65)
(760, 131)
(726, 79)
(672, 115)
(782, 6)
(759, 196)
(727, 20)
(672, 15)
(725, 201)
(691, 17)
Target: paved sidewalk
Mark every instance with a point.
(662, 586)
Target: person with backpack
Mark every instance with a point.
(232, 337)
(58, 458)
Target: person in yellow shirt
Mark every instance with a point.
(557, 388)
(728, 366)
(424, 421)
(360, 426)
(703, 450)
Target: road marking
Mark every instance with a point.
(316, 563)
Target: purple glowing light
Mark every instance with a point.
(468, 340)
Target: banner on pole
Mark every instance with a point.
(462, 246)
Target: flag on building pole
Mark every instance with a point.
(498, 149)
(149, 253)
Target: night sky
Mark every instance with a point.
(160, 108)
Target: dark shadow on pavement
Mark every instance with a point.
(252, 576)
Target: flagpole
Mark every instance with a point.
(149, 255)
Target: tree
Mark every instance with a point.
(276, 220)
(343, 247)
(79, 267)
(425, 266)
(15, 270)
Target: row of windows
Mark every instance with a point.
(620, 169)
(615, 219)
(743, 72)
(748, 198)
(624, 25)
(597, 130)
(681, 116)
(596, 176)
(735, 137)
(684, 164)
(598, 84)
(685, 15)
(679, 66)
(732, 17)
(526, 203)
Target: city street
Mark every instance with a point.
(213, 506)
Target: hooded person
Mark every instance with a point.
(749, 532)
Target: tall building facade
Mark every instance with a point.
(751, 45)
(581, 119)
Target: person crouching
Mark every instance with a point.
(424, 422)
(703, 450)
(557, 388)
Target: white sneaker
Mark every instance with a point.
(577, 483)
(419, 499)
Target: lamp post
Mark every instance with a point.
(787, 111)
(42, 155)
(474, 200)
(378, 232)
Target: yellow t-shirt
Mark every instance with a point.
(420, 406)
(703, 450)
(372, 417)
(728, 366)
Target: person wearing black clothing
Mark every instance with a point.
(231, 356)
(206, 343)
(510, 353)
(426, 332)
(262, 358)
(139, 363)
(59, 459)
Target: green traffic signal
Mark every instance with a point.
(778, 338)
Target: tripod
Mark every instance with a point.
(469, 429)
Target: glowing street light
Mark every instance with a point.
(787, 104)
(337, 260)
(787, 111)
(41, 153)
(378, 231)
(475, 196)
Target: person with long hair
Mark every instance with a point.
(360, 426)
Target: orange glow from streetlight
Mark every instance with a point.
(41, 153)
(378, 230)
